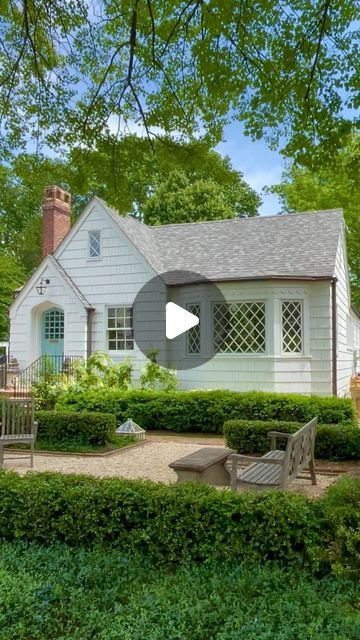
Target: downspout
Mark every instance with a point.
(334, 336)
(89, 345)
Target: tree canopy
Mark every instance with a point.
(326, 187)
(74, 70)
(129, 178)
(11, 276)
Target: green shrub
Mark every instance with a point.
(85, 428)
(170, 523)
(206, 411)
(333, 442)
(341, 506)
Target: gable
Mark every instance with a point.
(60, 286)
(73, 253)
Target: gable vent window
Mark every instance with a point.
(239, 327)
(120, 329)
(193, 335)
(291, 316)
(94, 244)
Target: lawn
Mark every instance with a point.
(60, 593)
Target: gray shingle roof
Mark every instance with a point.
(299, 246)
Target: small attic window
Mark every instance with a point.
(94, 244)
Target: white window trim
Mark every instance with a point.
(239, 354)
(293, 354)
(116, 352)
(89, 257)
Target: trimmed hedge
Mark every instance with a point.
(84, 427)
(333, 442)
(206, 411)
(169, 523)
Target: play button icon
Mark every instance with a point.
(172, 316)
(178, 320)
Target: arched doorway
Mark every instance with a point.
(52, 332)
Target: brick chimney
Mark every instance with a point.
(56, 208)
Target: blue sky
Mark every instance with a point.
(261, 166)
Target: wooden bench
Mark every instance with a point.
(277, 469)
(204, 466)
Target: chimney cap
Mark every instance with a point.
(53, 193)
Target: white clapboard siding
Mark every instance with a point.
(114, 279)
(309, 372)
(25, 319)
(347, 324)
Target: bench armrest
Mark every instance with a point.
(277, 434)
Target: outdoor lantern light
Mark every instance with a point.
(42, 286)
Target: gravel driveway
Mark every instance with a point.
(147, 461)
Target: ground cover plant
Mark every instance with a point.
(206, 411)
(58, 592)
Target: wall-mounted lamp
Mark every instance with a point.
(41, 288)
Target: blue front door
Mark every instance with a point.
(52, 332)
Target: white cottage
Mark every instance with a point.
(285, 322)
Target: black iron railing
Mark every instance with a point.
(45, 369)
(3, 368)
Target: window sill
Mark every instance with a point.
(97, 259)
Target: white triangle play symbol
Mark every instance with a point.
(178, 320)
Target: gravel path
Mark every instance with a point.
(147, 461)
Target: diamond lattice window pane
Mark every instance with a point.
(291, 313)
(239, 327)
(193, 335)
(94, 244)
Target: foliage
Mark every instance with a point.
(333, 441)
(286, 72)
(324, 186)
(155, 377)
(342, 511)
(178, 199)
(11, 276)
(130, 172)
(206, 411)
(168, 523)
(76, 594)
(126, 174)
(84, 428)
(98, 372)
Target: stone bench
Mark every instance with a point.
(204, 466)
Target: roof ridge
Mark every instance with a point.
(276, 216)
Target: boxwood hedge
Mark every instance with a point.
(169, 523)
(333, 441)
(85, 427)
(206, 411)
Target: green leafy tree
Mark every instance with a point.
(179, 200)
(127, 174)
(70, 71)
(11, 276)
(330, 187)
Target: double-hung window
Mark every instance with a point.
(239, 327)
(120, 329)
